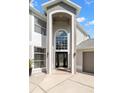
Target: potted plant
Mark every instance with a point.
(30, 67)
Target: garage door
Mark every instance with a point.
(88, 62)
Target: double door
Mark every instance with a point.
(61, 59)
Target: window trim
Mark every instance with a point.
(37, 60)
(40, 26)
(65, 36)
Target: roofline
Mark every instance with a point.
(81, 28)
(85, 49)
(85, 40)
(45, 5)
(47, 2)
(74, 4)
(36, 12)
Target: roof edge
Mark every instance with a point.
(86, 48)
(81, 28)
(74, 4)
(85, 40)
(45, 5)
(37, 12)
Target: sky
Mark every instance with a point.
(85, 18)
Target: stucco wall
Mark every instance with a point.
(80, 36)
(39, 40)
(30, 27)
(79, 60)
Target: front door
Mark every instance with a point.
(61, 59)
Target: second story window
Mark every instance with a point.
(40, 26)
(61, 40)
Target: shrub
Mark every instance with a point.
(30, 63)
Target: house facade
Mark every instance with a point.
(57, 39)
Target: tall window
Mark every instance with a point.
(40, 26)
(61, 40)
(39, 57)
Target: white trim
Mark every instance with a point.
(68, 1)
(69, 42)
(61, 50)
(32, 29)
(50, 44)
(74, 4)
(32, 44)
(55, 40)
(87, 49)
(63, 11)
(48, 2)
(73, 39)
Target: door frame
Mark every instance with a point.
(67, 58)
(67, 50)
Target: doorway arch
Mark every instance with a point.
(61, 40)
(51, 44)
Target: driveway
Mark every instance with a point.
(61, 82)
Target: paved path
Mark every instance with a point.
(61, 82)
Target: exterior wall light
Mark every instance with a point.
(47, 54)
(74, 54)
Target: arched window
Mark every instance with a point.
(61, 40)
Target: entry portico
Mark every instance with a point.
(61, 18)
(54, 39)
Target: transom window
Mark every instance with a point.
(61, 40)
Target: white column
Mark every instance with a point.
(69, 66)
(31, 42)
(50, 44)
(73, 42)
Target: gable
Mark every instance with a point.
(63, 3)
(64, 6)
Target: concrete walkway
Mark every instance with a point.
(61, 82)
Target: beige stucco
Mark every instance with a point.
(79, 61)
(80, 36)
